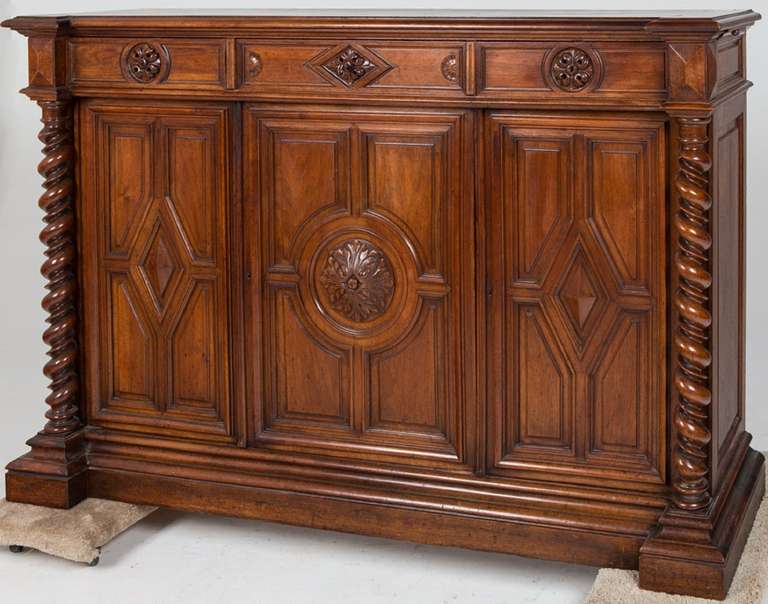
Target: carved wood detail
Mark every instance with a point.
(58, 236)
(146, 62)
(692, 300)
(450, 68)
(415, 276)
(349, 66)
(572, 69)
(254, 64)
(358, 279)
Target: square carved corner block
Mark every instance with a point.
(470, 279)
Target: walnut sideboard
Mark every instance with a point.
(459, 278)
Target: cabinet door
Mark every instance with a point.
(155, 202)
(359, 243)
(576, 315)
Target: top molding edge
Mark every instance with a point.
(690, 24)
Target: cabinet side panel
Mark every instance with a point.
(728, 302)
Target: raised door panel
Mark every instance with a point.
(620, 212)
(160, 267)
(401, 399)
(620, 394)
(359, 294)
(132, 346)
(190, 186)
(129, 184)
(576, 324)
(404, 182)
(540, 387)
(194, 353)
(304, 179)
(540, 170)
(310, 377)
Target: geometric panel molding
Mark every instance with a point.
(581, 296)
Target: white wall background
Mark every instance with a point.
(22, 353)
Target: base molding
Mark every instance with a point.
(696, 554)
(395, 520)
(681, 552)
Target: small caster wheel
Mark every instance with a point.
(16, 549)
(94, 562)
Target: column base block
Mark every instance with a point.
(53, 474)
(48, 491)
(696, 554)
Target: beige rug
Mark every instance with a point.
(76, 534)
(750, 583)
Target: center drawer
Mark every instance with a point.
(351, 67)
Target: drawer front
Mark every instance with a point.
(189, 64)
(544, 72)
(571, 72)
(351, 68)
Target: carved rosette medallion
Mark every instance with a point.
(349, 66)
(572, 69)
(358, 280)
(450, 68)
(146, 63)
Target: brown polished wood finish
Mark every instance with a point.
(471, 279)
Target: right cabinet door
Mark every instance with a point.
(576, 310)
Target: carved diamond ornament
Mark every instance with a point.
(358, 280)
(351, 66)
(160, 266)
(581, 296)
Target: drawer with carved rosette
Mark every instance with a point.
(571, 71)
(203, 64)
(352, 67)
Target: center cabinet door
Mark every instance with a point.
(359, 298)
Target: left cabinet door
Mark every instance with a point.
(154, 208)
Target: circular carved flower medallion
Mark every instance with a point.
(357, 278)
(145, 62)
(572, 69)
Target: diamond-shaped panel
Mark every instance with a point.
(161, 267)
(581, 295)
(351, 66)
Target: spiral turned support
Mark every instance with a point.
(691, 339)
(59, 268)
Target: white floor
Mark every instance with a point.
(171, 557)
